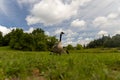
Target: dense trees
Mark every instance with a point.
(69, 47)
(39, 41)
(6, 39)
(1, 38)
(79, 47)
(106, 42)
(16, 39)
(35, 41)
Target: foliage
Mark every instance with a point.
(6, 39)
(79, 47)
(85, 64)
(51, 41)
(69, 47)
(27, 39)
(16, 39)
(105, 42)
(35, 41)
(114, 41)
(1, 38)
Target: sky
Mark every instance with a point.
(80, 20)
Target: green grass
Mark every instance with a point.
(88, 64)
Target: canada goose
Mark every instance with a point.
(58, 48)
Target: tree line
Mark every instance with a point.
(37, 40)
(105, 42)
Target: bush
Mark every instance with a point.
(41, 46)
(70, 47)
(79, 47)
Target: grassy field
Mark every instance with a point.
(86, 64)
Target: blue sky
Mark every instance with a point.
(81, 20)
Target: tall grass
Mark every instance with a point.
(90, 64)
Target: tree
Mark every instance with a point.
(35, 41)
(27, 39)
(6, 39)
(41, 46)
(39, 39)
(79, 47)
(108, 43)
(69, 47)
(38, 31)
(16, 39)
(1, 39)
(51, 40)
(116, 40)
(101, 42)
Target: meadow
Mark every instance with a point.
(86, 64)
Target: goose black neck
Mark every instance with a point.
(60, 37)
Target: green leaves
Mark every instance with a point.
(1, 38)
(105, 41)
(35, 41)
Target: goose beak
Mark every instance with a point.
(62, 33)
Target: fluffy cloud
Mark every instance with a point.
(117, 32)
(109, 23)
(29, 30)
(112, 15)
(58, 31)
(68, 37)
(47, 33)
(100, 21)
(101, 33)
(5, 30)
(72, 37)
(78, 23)
(68, 33)
(53, 11)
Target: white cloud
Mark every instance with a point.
(101, 33)
(51, 12)
(110, 23)
(68, 33)
(117, 32)
(68, 37)
(71, 34)
(75, 37)
(6, 30)
(78, 23)
(77, 41)
(58, 31)
(119, 9)
(112, 15)
(30, 30)
(47, 33)
(84, 41)
(100, 21)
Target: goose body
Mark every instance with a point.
(58, 48)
